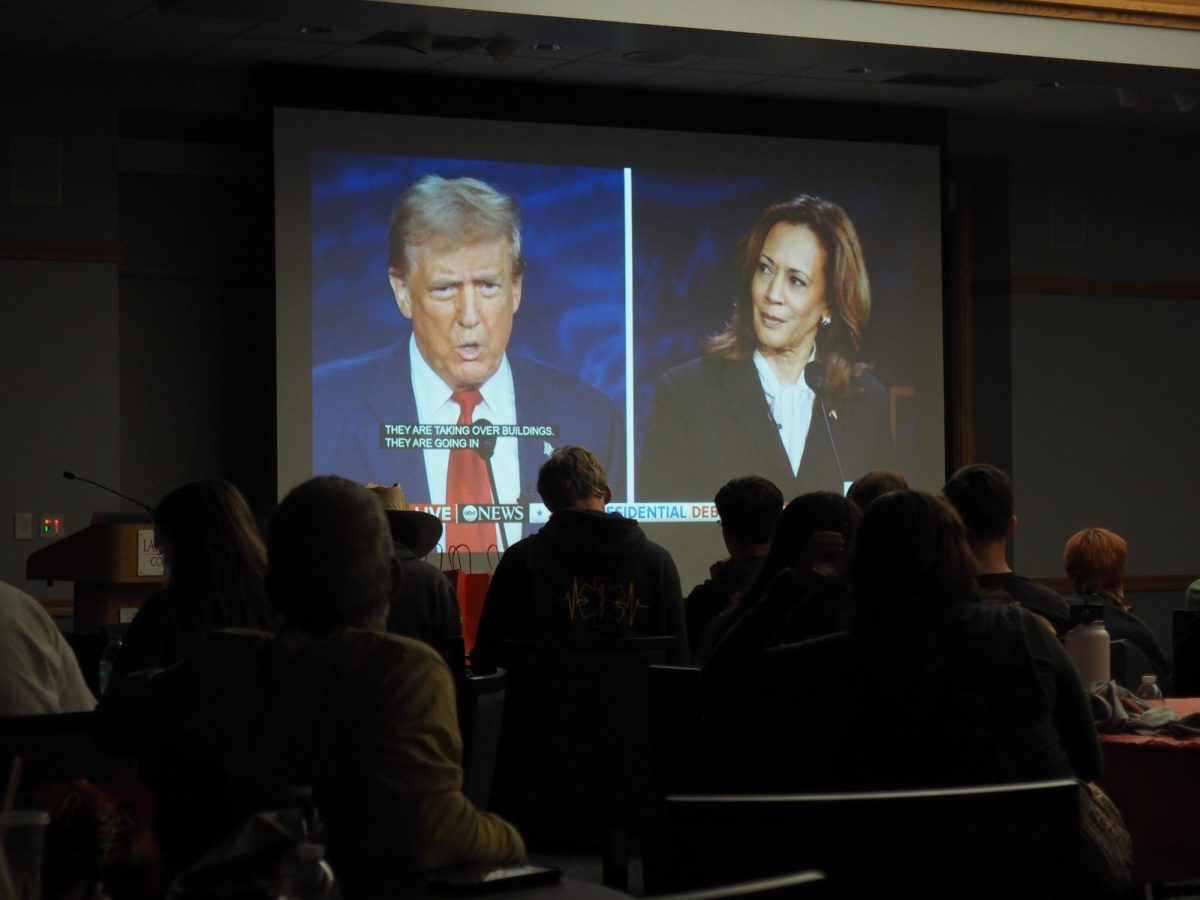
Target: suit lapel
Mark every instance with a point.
(390, 400)
(749, 417)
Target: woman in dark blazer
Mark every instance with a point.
(779, 393)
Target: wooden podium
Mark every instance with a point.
(102, 560)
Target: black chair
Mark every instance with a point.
(1127, 663)
(1019, 840)
(573, 771)
(480, 716)
(1180, 620)
(678, 723)
(801, 884)
(56, 747)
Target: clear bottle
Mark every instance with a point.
(107, 660)
(305, 875)
(1149, 692)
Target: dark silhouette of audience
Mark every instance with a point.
(800, 592)
(586, 575)
(215, 563)
(871, 642)
(983, 496)
(1095, 562)
(748, 507)
(874, 484)
(427, 609)
(928, 688)
(366, 718)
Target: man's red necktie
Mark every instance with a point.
(467, 482)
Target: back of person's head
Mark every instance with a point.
(215, 558)
(330, 553)
(1095, 562)
(874, 484)
(570, 475)
(983, 496)
(909, 559)
(800, 520)
(749, 508)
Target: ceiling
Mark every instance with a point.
(344, 34)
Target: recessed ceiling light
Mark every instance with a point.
(314, 29)
(859, 70)
(657, 57)
(1050, 84)
(547, 48)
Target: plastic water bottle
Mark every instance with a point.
(1087, 645)
(1149, 692)
(305, 875)
(107, 660)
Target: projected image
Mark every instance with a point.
(467, 319)
(774, 331)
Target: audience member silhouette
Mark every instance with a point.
(427, 608)
(929, 688)
(39, 673)
(366, 718)
(586, 575)
(983, 496)
(215, 562)
(748, 507)
(1095, 562)
(874, 484)
(800, 591)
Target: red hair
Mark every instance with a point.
(1095, 562)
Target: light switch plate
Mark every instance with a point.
(22, 526)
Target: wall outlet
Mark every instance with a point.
(22, 526)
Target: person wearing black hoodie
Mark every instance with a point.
(586, 575)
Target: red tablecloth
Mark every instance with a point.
(1155, 782)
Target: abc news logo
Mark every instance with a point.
(498, 512)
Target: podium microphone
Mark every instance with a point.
(486, 449)
(814, 377)
(71, 476)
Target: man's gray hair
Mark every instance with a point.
(329, 555)
(462, 210)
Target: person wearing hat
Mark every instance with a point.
(426, 608)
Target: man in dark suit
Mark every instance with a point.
(455, 266)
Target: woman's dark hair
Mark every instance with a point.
(909, 560)
(847, 287)
(217, 561)
(799, 521)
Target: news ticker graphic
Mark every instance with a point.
(455, 437)
(537, 514)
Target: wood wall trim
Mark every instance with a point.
(1134, 584)
(60, 251)
(1156, 13)
(58, 607)
(1085, 287)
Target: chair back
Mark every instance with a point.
(480, 716)
(575, 755)
(1127, 663)
(678, 724)
(1180, 620)
(1018, 840)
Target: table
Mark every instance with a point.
(1155, 782)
